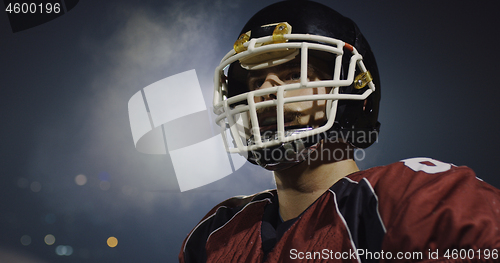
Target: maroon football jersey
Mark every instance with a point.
(416, 210)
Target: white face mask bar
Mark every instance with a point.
(242, 120)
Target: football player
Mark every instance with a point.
(297, 94)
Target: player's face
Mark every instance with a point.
(301, 114)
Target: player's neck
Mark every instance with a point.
(298, 187)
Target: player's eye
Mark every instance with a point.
(258, 83)
(295, 76)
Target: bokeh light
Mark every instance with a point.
(104, 176)
(25, 240)
(36, 187)
(49, 239)
(64, 250)
(80, 179)
(104, 185)
(112, 242)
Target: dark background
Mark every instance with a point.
(65, 86)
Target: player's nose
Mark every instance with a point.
(271, 80)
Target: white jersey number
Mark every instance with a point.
(420, 164)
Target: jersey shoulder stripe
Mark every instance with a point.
(221, 214)
(357, 205)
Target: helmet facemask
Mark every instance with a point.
(262, 122)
